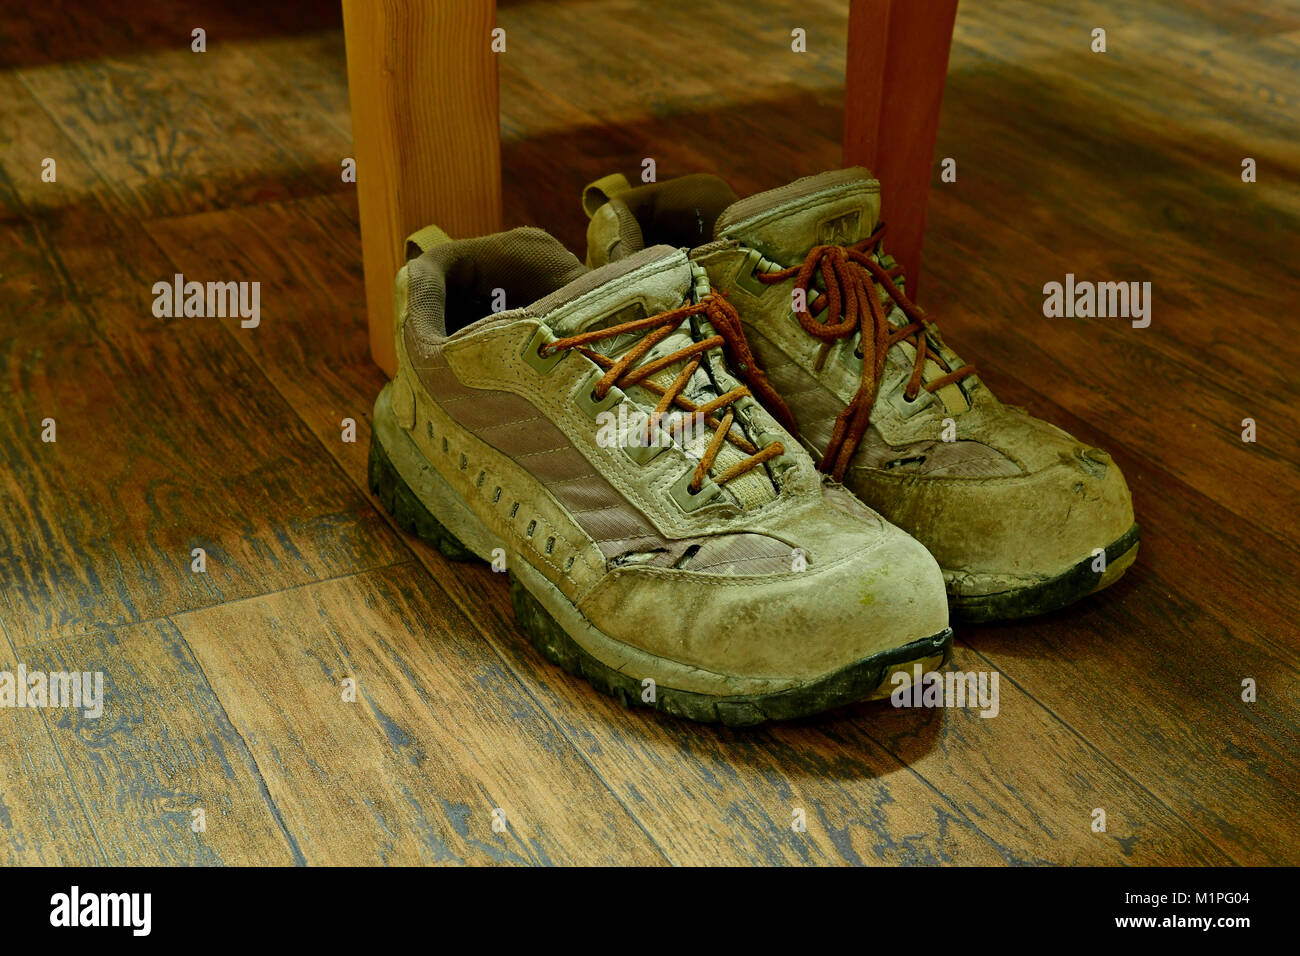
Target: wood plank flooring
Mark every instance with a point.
(225, 690)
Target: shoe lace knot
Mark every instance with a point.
(854, 279)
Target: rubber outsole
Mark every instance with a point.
(1052, 594)
(856, 682)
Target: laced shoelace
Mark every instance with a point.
(850, 275)
(625, 372)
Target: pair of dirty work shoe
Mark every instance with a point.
(732, 470)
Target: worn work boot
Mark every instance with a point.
(664, 536)
(1021, 517)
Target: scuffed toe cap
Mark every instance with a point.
(795, 626)
(1069, 500)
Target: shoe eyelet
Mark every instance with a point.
(589, 402)
(908, 407)
(689, 500)
(534, 355)
(651, 446)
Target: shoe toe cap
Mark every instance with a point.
(878, 589)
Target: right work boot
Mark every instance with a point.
(664, 536)
(1022, 517)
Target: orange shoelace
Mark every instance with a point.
(624, 372)
(850, 275)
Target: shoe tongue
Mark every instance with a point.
(655, 280)
(839, 208)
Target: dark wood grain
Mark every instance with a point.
(50, 34)
(42, 819)
(439, 736)
(167, 441)
(163, 748)
(310, 251)
(185, 131)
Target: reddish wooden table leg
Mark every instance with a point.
(422, 78)
(897, 64)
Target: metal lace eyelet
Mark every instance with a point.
(537, 353)
(688, 497)
(592, 403)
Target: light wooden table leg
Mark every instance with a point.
(894, 78)
(422, 79)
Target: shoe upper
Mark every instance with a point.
(713, 546)
(997, 495)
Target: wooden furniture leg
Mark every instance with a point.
(422, 79)
(896, 65)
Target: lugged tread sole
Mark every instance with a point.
(1053, 594)
(856, 682)
(408, 510)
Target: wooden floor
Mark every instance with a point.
(224, 690)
